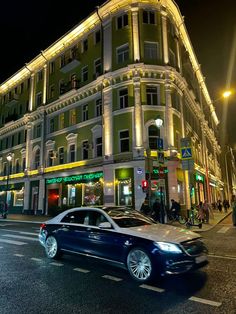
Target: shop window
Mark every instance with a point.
(92, 193)
(71, 195)
(98, 147)
(153, 95)
(61, 155)
(18, 198)
(124, 141)
(123, 98)
(125, 192)
(153, 135)
(122, 53)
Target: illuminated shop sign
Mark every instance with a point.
(77, 178)
(199, 177)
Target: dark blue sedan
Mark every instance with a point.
(125, 237)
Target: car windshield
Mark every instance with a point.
(126, 218)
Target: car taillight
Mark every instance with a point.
(42, 226)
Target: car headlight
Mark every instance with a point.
(168, 247)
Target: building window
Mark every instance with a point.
(61, 155)
(74, 81)
(151, 51)
(172, 58)
(61, 121)
(98, 107)
(85, 73)
(98, 148)
(148, 17)
(51, 126)
(85, 148)
(40, 75)
(23, 163)
(153, 135)
(63, 60)
(19, 138)
(50, 158)
(22, 88)
(122, 53)
(97, 68)
(73, 52)
(17, 166)
(153, 96)
(51, 91)
(36, 159)
(85, 112)
(124, 141)
(38, 130)
(72, 153)
(72, 116)
(51, 67)
(122, 21)
(85, 45)
(97, 37)
(123, 98)
(39, 99)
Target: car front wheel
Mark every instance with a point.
(51, 248)
(139, 265)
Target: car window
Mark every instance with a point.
(95, 218)
(77, 217)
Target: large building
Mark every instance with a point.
(78, 122)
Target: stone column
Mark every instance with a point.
(29, 128)
(32, 92)
(169, 126)
(179, 61)
(135, 28)
(107, 124)
(164, 37)
(26, 195)
(45, 79)
(107, 45)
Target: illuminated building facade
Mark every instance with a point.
(79, 119)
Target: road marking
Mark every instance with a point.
(223, 256)
(112, 278)
(36, 259)
(22, 232)
(156, 289)
(19, 237)
(81, 270)
(1, 247)
(223, 230)
(12, 242)
(204, 301)
(4, 225)
(56, 264)
(19, 255)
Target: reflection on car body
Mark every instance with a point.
(126, 237)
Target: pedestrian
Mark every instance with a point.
(145, 209)
(225, 205)
(201, 213)
(175, 208)
(156, 210)
(219, 206)
(206, 209)
(233, 205)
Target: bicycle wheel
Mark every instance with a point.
(182, 220)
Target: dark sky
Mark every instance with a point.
(27, 27)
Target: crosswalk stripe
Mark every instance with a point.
(21, 232)
(19, 237)
(19, 255)
(81, 270)
(36, 259)
(156, 289)
(56, 264)
(12, 242)
(204, 301)
(223, 230)
(112, 278)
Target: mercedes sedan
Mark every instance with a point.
(125, 237)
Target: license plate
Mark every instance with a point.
(200, 259)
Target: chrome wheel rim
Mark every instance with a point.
(51, 247)
(139, 265)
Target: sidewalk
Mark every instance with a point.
(26, 218)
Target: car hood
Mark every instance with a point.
(160, 232)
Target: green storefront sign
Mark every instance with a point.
(81, 178)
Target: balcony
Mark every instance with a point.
(66, 87)
(69, 64)
(14, 99)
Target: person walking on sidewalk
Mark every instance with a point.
(206, 209)
(219, 206)
(233, 204)
(225, 205)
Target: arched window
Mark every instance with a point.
(37, 159)
(153, 134)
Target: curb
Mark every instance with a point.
(211, 227)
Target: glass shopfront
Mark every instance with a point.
(125, 192)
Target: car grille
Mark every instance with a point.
(194, 247)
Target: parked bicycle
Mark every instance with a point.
(173, 217)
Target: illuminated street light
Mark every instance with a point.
(159, 122)
(227, 93)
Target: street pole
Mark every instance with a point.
(227, 175)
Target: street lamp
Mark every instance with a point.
(9, 159)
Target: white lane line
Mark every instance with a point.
(12, 242)
(19, 237)
(81, 270)
(223, 257)
(18, 255)
(112, 278)
(56, 264)
(223, 230)
(22, 232)
(36, 259)
(156, 289)
(204, 301)
(1, 247)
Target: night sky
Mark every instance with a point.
(27, 27)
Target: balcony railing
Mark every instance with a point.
(69, 64)
(66, 87)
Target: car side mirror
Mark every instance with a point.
(105, 225)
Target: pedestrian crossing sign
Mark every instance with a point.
(186, 153)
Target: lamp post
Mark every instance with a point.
(227, 173)
(9, 159)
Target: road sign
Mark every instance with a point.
(160, 143)
(188, 164)
(161, 157)
(186, 153)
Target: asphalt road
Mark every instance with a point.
(31, 283)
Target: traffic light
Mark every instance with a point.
(145, 185)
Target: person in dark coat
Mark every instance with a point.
(175, 208)
(156, 210)
(145, 209)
